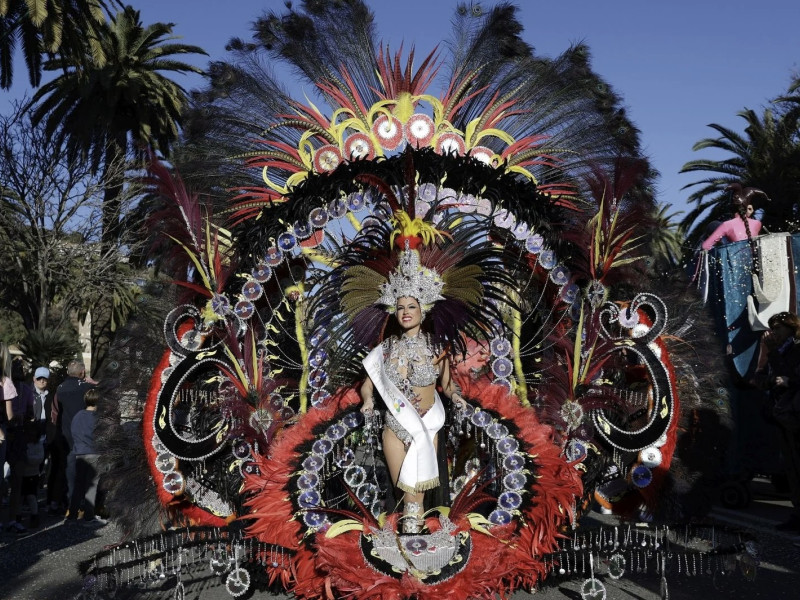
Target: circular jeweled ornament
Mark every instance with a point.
(641, 476)
(166, 462)
(496, 431)
(273, 257)
(419, 130)
(356, 201)
(262, 273)
(560, 275)
(503, 383)
(570, 292)
(513, 462)
(416, 545)
(240, 449)
(308, 481)
(481, 418)
(220, 561)
(318, 217)
(337, 208)
(616, 565)
(287, 241)
(504, 219)
(628, 318)
(502, 367)
(534, 243)
(319, 397)
(358, 146)
(220, 304)
(322, 447)
(500, 347)
(368, 493)
(302, 229)
(174, 483)
(244, 309)
(651, 457)
(507, 445)
(313, 463)
(575, 450)
(317, 358)
(484, 207)
(483, 154)
(309, 499)
(315, 520)
(317, 379)
(353, 420)
(327, 158)
(252, 290)
(547, 259)
(521, 230)
(238, 582)
(593, 589)
(345, 459)
(450, 143)
(335, 432)
(500, 517)
(509, 500)
(261, 419)
(355, 476)
(389, 131)
(468, 203)
(514, 481)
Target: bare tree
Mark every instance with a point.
(54, 268)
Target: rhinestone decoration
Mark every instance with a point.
(534, 243)
(502, 367)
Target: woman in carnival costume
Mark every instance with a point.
(405, 370)
(451, 213)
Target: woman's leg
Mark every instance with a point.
(395, 452)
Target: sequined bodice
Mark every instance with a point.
(408, 362)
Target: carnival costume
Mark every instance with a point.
(464, 202)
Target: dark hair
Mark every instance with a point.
(91, 397)
(786, 319)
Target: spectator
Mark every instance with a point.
(31, 473)
(7, 393)
(782, 379)
(41, 377)
(16, 454)
(87, 461)
(67, 403)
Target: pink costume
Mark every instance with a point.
(734, 230)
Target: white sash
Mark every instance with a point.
(419, 471)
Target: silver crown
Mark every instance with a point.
(411, 279)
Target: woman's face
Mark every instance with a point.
(781, 332)
(408, 312)
(749, 211)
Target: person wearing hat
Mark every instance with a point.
(41, 377)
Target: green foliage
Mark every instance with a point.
(51, 27)
(44, 346)
(12, 329)
(766, 155)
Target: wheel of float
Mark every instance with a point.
(735, 494)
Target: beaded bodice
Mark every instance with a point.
(408, 362)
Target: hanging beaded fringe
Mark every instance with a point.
(151, 560)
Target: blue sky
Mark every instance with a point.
(678, 64)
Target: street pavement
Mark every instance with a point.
(42, 564)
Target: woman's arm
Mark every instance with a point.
(449, 386)
(367, 396)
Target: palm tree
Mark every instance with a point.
(118, 109)
(48, 26)
(765, 156)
